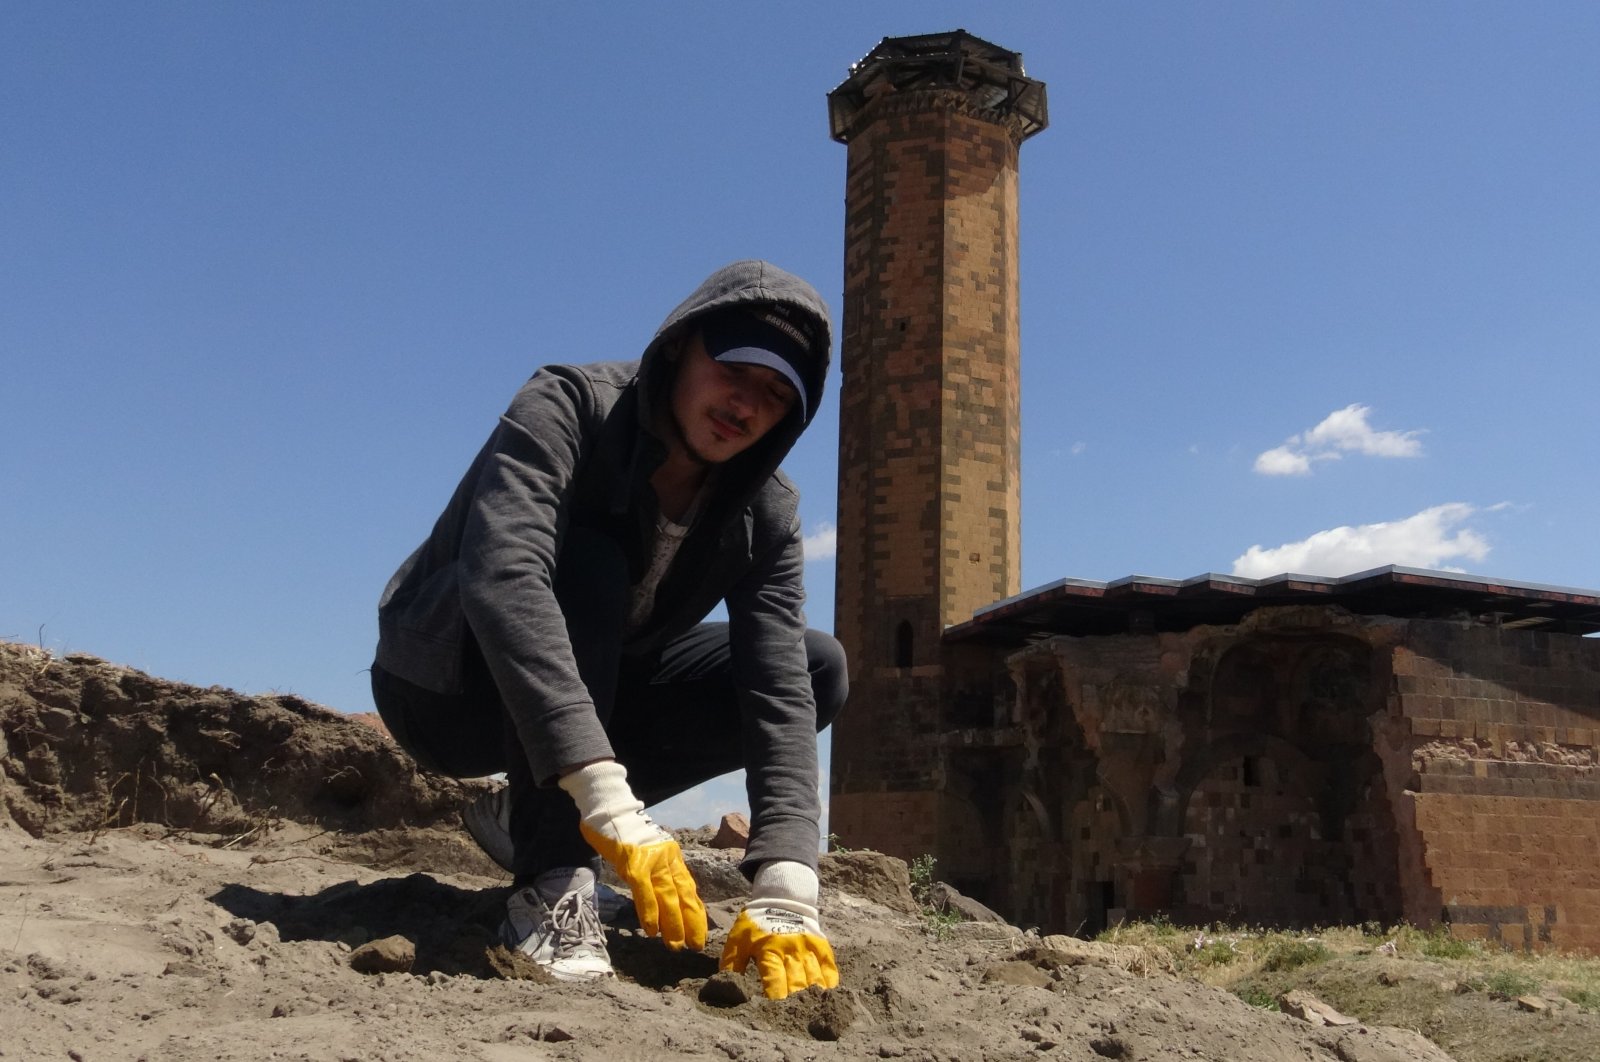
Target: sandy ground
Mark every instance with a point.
(226, 919)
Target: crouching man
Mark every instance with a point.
(550, 627)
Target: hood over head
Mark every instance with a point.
(774, 298)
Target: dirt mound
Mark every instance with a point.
(135, 943)
(87, 745)
(207, 875)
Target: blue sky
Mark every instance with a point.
(1304, 286)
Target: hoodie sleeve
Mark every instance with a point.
(509, 546)
(767, 627)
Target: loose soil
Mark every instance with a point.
(190, 874)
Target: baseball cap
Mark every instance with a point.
(763, 335)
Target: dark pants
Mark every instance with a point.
(673, 718)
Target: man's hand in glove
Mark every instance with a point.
(647, 858)
(779, 931)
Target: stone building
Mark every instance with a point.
(1397, 745)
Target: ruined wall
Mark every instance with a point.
(1496, 732)
(1286, 809)
(1264, 849)
(1311, 767)
(1224, 773)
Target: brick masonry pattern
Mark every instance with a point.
(929, 433)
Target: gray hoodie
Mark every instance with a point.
(575, 449)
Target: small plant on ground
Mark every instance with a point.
(940, 924)
(1293, 954)
(940, 927)
(1257, 996)
(1510, 983)
(921, 869)
(1586, 998)
(1213, 953)
(1439, 944)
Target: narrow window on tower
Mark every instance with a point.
(902, 644)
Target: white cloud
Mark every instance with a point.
(1282, 461)
(822, 543)
(1340, 432)
(1347, 429)
(1430, 539)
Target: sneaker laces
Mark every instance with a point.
(576, 924)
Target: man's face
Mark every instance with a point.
(721, 409)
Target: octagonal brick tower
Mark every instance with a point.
(929, 501)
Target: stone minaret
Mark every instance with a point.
(929, 503)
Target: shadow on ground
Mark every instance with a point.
(453, 928)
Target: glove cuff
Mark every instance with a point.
(600, 789)
(787, 881)
(764, 911)
(606, 803)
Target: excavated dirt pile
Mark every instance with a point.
(204, 875)
(89, 745)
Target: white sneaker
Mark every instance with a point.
(555, 923)
(488, 821)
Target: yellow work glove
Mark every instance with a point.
(643, 854)
(778, 930)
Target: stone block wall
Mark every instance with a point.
(1260, 849)
(929, 432)
(980, 389)
(930, 779)
(904, 823)
(1307, 767)
(929, 439)
(885, 777)
(1218, 774)
(1500, 731)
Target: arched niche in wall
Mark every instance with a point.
(1245, 688)
(1331, 692)
(1282, 836)
(904, 648)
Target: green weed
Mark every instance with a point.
(1257, 997)
(1293, 954)
(1439, 944)
(1586, 998)
(1213, 953)
(1510, 983)
(940, 926)
(921, 869)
